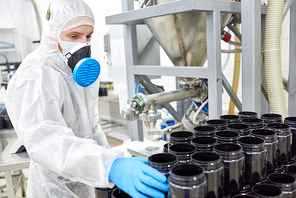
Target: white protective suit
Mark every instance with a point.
(56, 119)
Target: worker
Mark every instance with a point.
(54, 110)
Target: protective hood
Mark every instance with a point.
(59, 14)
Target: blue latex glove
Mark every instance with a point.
(136, 178)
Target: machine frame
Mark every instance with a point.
(252, 17)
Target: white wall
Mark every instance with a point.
(14, 15)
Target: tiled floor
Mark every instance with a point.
(3, 193)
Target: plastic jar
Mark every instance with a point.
(284, 137)
(183, 152)
(187, 180)
(213, 167)
(117, 193)
(291, 121)
(267, 191)
(291, 170)
(227, 136)
(284, 181)
(181, 137)
(234, 167)
(204, 143)
(242, 129)
(219, 124)
(243, 196)
(163, 162)
(255, 159)
(204, 131)
(165, 148)
(271, 118)
(230, 118)
(247, 114)
(103, 192)
(271, 144)
(254, 123)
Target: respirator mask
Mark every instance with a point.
(85, 70)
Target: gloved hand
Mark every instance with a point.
(136, 178)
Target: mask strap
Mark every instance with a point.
(61, 42)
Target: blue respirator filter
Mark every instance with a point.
(86, 71)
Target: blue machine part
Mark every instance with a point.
(169, 121)
(205, 108)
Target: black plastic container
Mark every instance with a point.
(243, 196)
(271, 118)
(204, 143)
(254, 123)
(271, 144)
(163, 162)
(284, 181)
(234, 167)
(242, 129)
(1, 123)
(204, 131)
(230, 119)
(255, 159)
(181, 137)
(165, 148)
(187, 180)
(291, 170)
(213, 167)
(103, 192)
(183, 152)
(247, 114)
(219, 124)
(227, 136)
(103, 91)
(291, 121)
(284, 137)
(117, 193)
(6, 122)
(267, 191)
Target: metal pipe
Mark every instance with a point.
(152, 89)
(165, 97)
(235, 31)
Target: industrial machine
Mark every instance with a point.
(189, 31)
(183, 38)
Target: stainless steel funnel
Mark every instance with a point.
(183, 35)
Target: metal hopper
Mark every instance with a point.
(183, 35)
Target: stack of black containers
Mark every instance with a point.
(234, 156)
